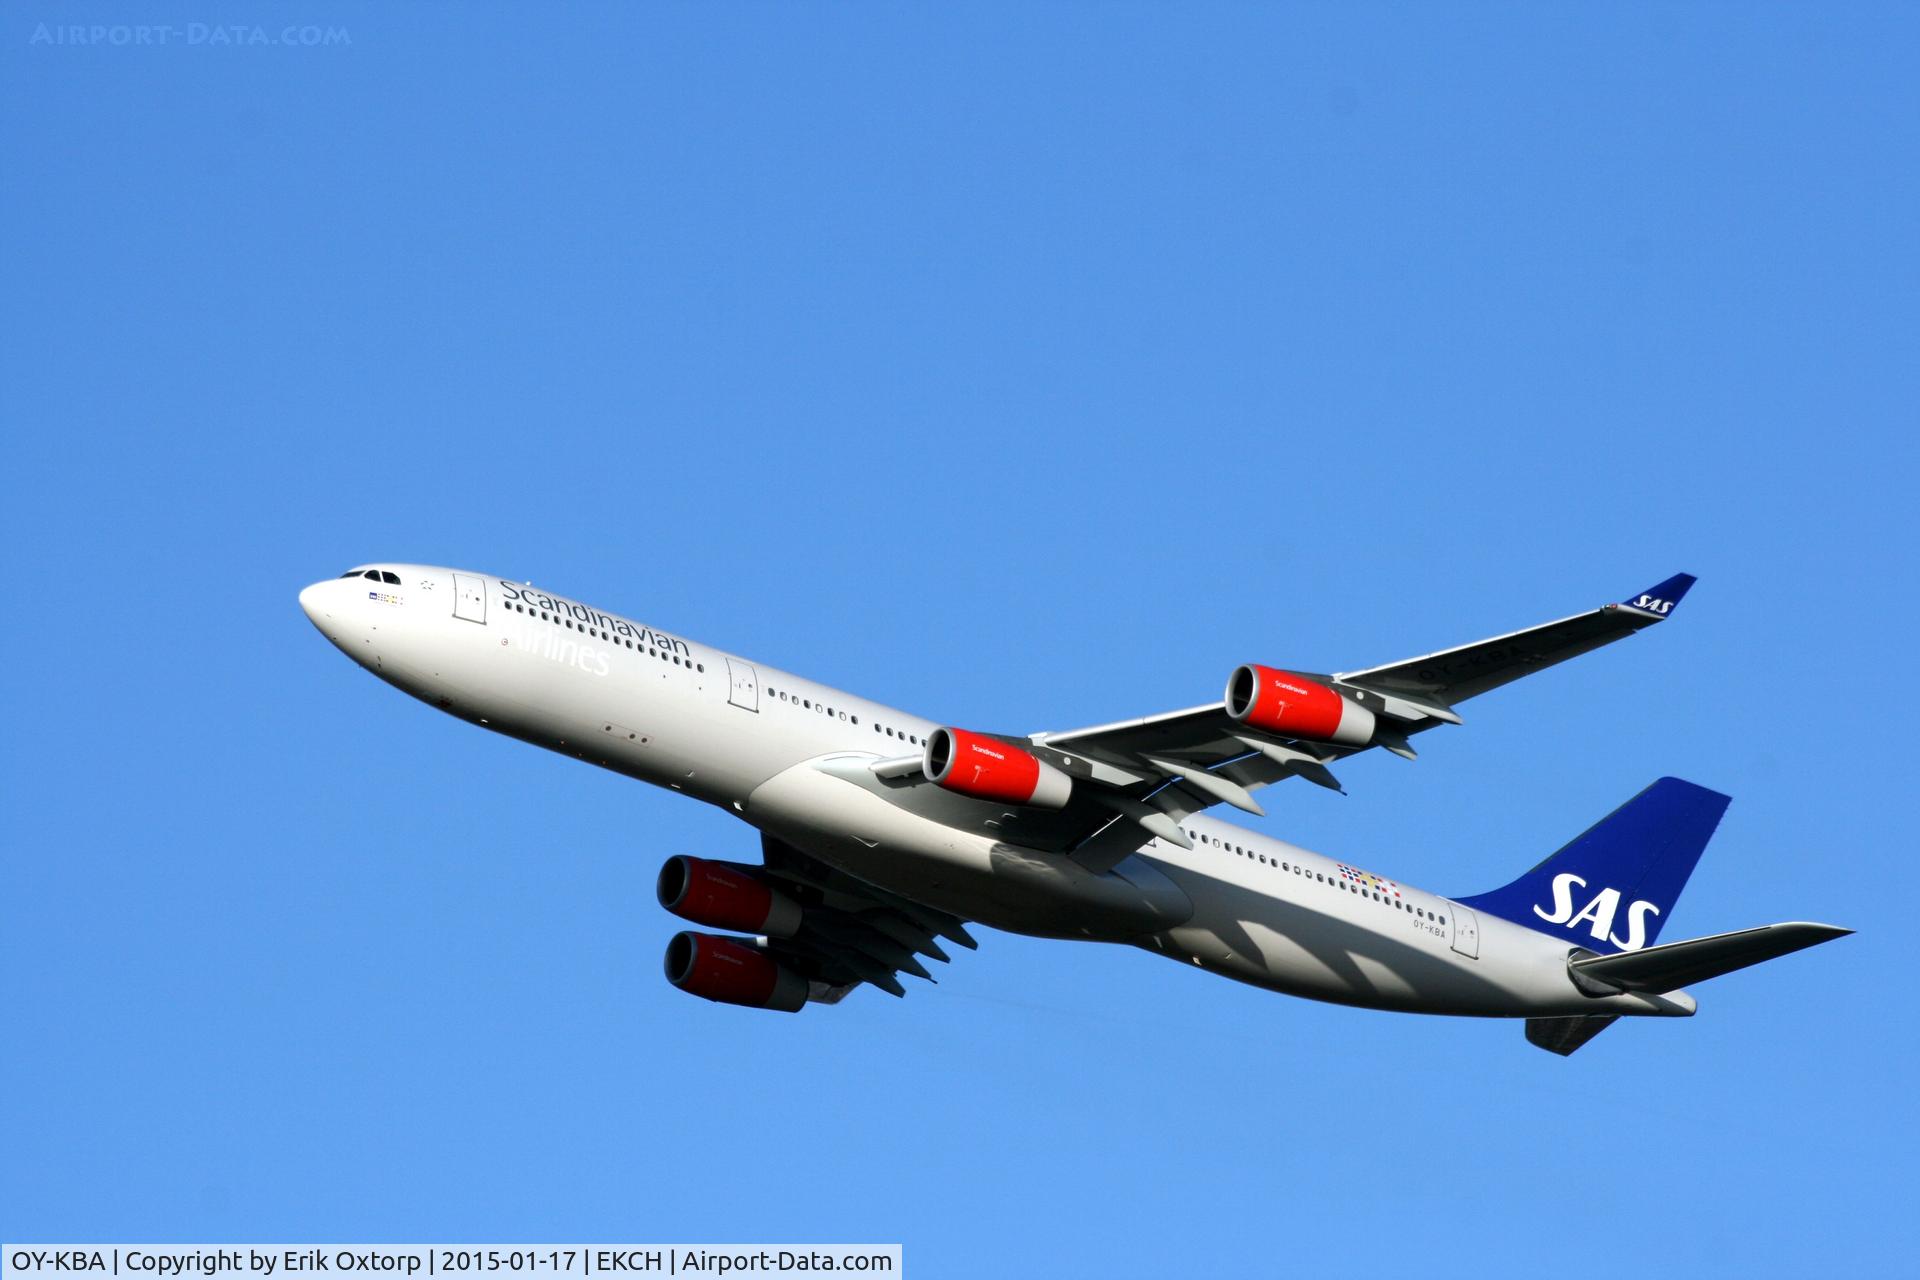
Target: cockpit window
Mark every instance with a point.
(389, 577)
(351, 573)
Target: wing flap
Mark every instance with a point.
(852, 932)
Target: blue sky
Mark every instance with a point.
(1026, 367)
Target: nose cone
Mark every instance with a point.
(310, 602)
(334, 607)
(324, 604)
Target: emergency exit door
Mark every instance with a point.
(743, 685)
(469, 598)
(1466, 930)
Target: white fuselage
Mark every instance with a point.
(791, 757)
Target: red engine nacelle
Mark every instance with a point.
(723, 896)
(1293, 706)
(733, 972)
(989, 769)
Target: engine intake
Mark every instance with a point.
(973, 764)
(732, 971)
(1292, 706)
(722, 895)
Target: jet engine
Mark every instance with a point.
(733, 971)
(973, 764)
(1292, 706)
(722, 895)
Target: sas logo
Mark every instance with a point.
(1651, 605)
(385, 597)
(1600, 911)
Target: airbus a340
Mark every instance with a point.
(884, 835)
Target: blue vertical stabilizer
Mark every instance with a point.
(1614, 886)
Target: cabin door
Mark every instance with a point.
(743, 685)
(1466, 930)
(469, 598)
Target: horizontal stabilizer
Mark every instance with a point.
(1677, 964)
(1564, 1035)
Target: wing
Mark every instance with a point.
(851, 932)
(1137, 780)
(1454, 675)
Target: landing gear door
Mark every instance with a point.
(469, 598)
(743, 685)
(1466, 930)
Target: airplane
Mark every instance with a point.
(884, 834)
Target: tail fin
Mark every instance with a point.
(1613, 887)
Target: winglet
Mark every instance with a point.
(1658, 601)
